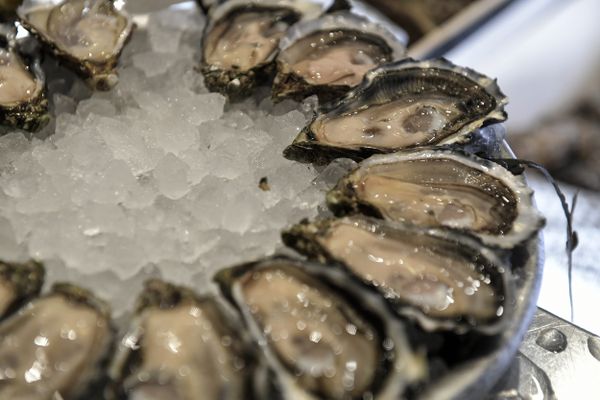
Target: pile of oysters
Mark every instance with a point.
(408, 277)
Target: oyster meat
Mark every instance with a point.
(441, 189)
(402, 105)
(330, 55)
(319, 343)
(241, 40)
(87, 35)
(18, 284)
(182, 347)
(23, 102)
(55, 346)
(443, 281)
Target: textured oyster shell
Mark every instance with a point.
(19, 282)
(56, 346)
(303, 68)
(402, 105)
(88, 36)
(321, 341)
(495, 206)
(271, 18)
(23, 102)
(445, 282)
(175, 330)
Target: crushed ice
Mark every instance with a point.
(156, 177)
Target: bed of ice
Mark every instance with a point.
(157, 177)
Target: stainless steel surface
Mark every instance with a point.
(556, 360)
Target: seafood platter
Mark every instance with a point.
(260, 199)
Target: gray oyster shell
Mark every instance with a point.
(19, 282)
(441, 188)
(322, 335)
(203, 341)
(330, 55)
(56, 346)
(241, 40)
(86, 35)
(402, 105)
(444, 282)
(23, 102)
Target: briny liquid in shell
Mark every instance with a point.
(422, 272)
(185, 345)
(336, 58)
(86, 33)
(331, 350)
(435, 192)
(48, 346)
(398, 124)
(17, 84)
(246, 39)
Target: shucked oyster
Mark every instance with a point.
(241, 40)
(445, 282)
(23, 102)
(441, 189)
(320, 342)
(54, 347)
(402, 105)
(330, 55)
(18, 284)
(182, 347)
(88, 35)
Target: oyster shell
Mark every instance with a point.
(23, 102)
(330, 55)
(441, 188)
(321, 342)
(18, 284)
(241, 40)
(55, 346)
(87, 35)
(445, 282)
(206, 5)
(402, 105)
(182, 347)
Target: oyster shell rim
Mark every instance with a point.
(99, 76)
(307, 148)
(411, 363)
(288, 84)
(527, 223)
(301, 238)
(233, 83)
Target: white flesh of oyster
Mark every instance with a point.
(336, 58)
(441, 284)
(245, 40)
(188, 355)
(329, 349)
(48, 347)
(17, 84)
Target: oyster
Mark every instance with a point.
(18, 284)
(321, 342)
(87, 35)
(402, 105)
(241, 40)
(184, 347)
(441, 189)
(54, 348)
(330, 55)
(23, 102)
(443, 281)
